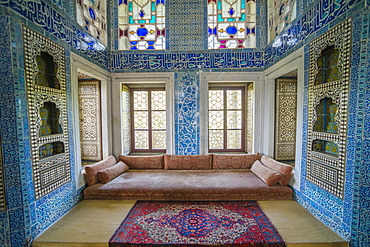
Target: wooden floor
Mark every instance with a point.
(92, 223)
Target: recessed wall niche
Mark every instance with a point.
(49, 115)
(328, 66)
(47, 71)
(50, 149)
(325, 147)
(46, 90)
(327, 110)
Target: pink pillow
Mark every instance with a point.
(92, 170)
(108, 174)
(188, 162)
(234, 161)
(269, 176)
(284, 169)
(143, 162)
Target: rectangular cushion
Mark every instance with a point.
(91, 171)
(234, 161)
(188, 162)
(284, 169)
(269, 176)
(108, 174)
(143, 162)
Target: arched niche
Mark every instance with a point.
(326, 111)
(327, 64)
(49, 115)
(47, 71)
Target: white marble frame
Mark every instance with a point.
(294, 61)
(79, 64)
(167, 78)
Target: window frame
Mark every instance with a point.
(225, 110)
(121, 145)
(150, 129)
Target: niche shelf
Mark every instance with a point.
(51, 149)
(325, 147)
(47, 106)
(328, 91)
(326, 111)
(49, 115)
(327, 64)
(47, 71)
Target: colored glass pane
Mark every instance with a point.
(231, 24)
(280, 14)
(92, 16)
(141, 25)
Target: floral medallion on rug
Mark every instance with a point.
(196, 224)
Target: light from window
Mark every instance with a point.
(148, 120)
(280, 14)
(231, 24)
(92, 16)
(226, 114)
(141, 25)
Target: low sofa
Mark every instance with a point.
(211, 177)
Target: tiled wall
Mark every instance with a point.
(346, 217)
(27, 217)
(187, 113)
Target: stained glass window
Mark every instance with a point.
(280, 14)
(231, 24)
(141, 25)
(226, 114)
(148, 109)
(92, 16)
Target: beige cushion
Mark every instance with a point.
(188, 162)
(234, 161)
(108, 174)
(91, 171)
(269, 176)
(143, 162)
(284, 169)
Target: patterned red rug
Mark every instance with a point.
(196, 224)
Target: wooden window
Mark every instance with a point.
(226, 128)
(148, 120)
